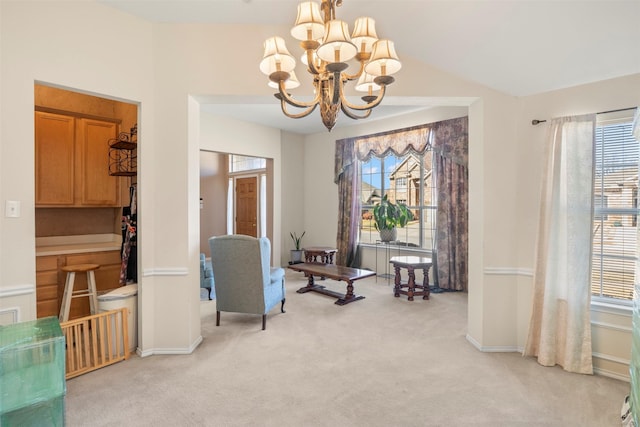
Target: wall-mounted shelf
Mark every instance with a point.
(123, 159)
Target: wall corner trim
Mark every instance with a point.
(173, 271)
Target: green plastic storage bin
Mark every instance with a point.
(32, 363)
(49, 413)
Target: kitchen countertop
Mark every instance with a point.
(60, 245)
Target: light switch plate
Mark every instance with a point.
(12, 209)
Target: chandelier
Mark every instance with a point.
(327, 49)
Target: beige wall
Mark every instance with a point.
(293, 190)
(213, 191)
(82, 45)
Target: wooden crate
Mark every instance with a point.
(95, 341)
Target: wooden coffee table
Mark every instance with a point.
(335, 272)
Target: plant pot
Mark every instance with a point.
(296, 256)
(388, 235)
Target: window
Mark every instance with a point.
(407, 179)
(245, 163)
(616, 160)
(600, 201)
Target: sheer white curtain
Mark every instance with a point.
(230, 210)
(560, 330)
(263, 205)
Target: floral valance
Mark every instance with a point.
(399, 142)
(450, 140)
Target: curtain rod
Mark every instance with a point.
(535, 121)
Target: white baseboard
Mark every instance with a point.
(597, 371)
(494, 349)
(178, 351)
(611, 374)
(473, 342)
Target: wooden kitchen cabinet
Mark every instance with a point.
(94, 184)
(72, 162)
(47, 283)
(55, 159)
(50, 280)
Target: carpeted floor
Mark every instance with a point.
(382, 361)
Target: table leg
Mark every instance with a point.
(349, 296)
(425, 283)
(397, 282)
(310, 283)
(412, 282)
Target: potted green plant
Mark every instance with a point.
(387, 216)
(296, 254)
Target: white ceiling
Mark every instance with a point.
(519, 47)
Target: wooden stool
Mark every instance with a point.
(70, 293)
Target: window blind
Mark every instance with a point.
(616, 159)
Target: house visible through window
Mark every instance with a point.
(407, 179)
(615, 231)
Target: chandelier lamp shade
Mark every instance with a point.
(328, 47)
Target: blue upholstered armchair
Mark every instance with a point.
(207, 286)
(244, 279)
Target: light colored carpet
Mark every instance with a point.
(382, 361)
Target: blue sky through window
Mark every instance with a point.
(371, 171)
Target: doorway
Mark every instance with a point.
(236, 196)
(72, 133)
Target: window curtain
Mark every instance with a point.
(399, 142)
(348, 152)
(450, 147)
(560, 330)
(346, 176)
